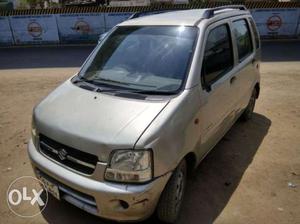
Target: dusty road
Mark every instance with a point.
(243, 180)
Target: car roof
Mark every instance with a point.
(182, 17)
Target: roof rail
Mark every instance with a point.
(146, 13)
(211, 12)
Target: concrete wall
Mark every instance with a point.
(86, 27)
(277, 23)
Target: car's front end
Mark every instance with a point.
(83, 148)
(111, 200)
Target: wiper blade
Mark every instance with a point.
(101, 80)
(154, 92)
(144, 92)
(98, 82)
(79, 79)
(94, 82)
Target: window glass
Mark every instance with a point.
(243, 38)
(255, 33)
(218, 56)
(152, 58)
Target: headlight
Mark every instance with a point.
(132, 166)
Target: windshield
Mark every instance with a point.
(150, 58)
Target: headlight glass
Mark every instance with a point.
(130, 166)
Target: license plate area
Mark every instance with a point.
(51, 187)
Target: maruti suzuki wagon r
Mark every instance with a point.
(154, 97)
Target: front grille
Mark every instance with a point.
(70, 157)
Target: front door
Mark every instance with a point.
(216, 109)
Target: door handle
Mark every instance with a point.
(233, 78)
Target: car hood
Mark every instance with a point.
(94, 122)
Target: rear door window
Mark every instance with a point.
(218, 54)
(243, 38)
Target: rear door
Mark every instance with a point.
(244, 78)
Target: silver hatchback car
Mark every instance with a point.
(154, 97)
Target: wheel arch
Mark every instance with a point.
(191, 161)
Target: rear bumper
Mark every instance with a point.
(101, 198)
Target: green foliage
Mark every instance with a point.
(32, 3)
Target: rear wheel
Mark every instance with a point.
(172, 196)
(248, 112)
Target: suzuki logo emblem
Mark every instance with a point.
(62, 154)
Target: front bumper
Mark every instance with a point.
(104, 199)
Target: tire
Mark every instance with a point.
(248, 112)
(171, 199)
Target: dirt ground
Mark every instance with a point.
(243, 180)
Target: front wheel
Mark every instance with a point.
(172, 196)
(248, 112)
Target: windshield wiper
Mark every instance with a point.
(154, 92)
(78, 78)
(101, 80)
(145, 92)
(95, 83)
(125, 90)
(120, 90)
